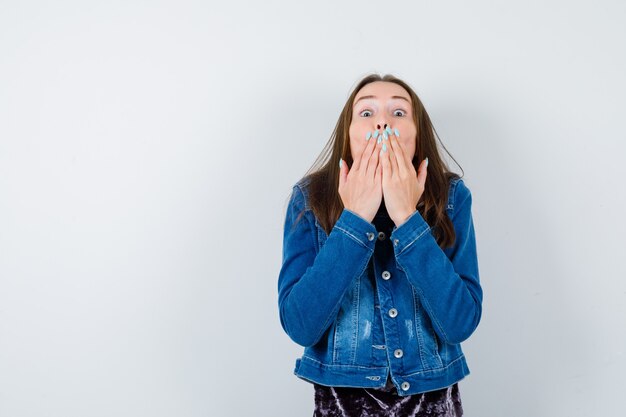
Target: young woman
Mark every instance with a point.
(379, 281)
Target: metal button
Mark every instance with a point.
(395, 242)
(393, 312)
(398, 353)
(381, 235)
(405, 385)
(370, 236)
(386, 275)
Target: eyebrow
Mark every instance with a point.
(399, 97)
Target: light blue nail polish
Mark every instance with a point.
(340, 162)
(386, 135)
(368, 135)
(380, 139)
(384, 147)
(426, 161)
(388, 130)
(375, 134)
(396, 132)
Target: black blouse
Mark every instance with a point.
(371, 402)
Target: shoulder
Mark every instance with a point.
(300, 193)
(298, 200)
(459, 194)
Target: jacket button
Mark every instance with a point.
(393, 312)
(398, 353)
(405, 385)
(370, 236)
(395, 242)
(381, 235)
(386, 275)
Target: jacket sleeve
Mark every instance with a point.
(312, 285)
(447, 281)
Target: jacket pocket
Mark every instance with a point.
(346, 326)
(428, 342)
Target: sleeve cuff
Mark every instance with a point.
(357, 228)
(408, 232)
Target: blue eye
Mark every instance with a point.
(398, 110)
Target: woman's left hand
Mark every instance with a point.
(402, 186)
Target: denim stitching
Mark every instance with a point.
(436, 369)
(435, 342)
(336, 307)
(451, 194)
(316, 238)
(355, 318)
(321, 234)
(436, 352)
(352, 236)
(305, 194)
(418, 333)
(413, 241)
(454, 198)
(319, 237)
(325, 365)
(435, 319)
(335, 343)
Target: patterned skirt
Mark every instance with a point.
(371, 402)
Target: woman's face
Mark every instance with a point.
(377, 105)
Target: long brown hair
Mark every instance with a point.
(324, 198)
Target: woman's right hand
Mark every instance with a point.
(360, 188)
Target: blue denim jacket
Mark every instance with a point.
(371, 300)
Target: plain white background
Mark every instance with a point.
(147, 150)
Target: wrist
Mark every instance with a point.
(403, 218)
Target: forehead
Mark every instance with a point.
(382, 90)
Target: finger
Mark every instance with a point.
(384, 158)
(373, 158)
(373, 161)
(422, 172)
(343, 172)
(393, 154)
(408, 159)
(367, 152)
(401, 157)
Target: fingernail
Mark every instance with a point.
(388, 130)
(368, 135)
(426, 161)
(380, 139)
(375, 134)
(396, 132)
(384, 147)
(385, 135)
(340, 162)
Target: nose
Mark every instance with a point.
(378, 126)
